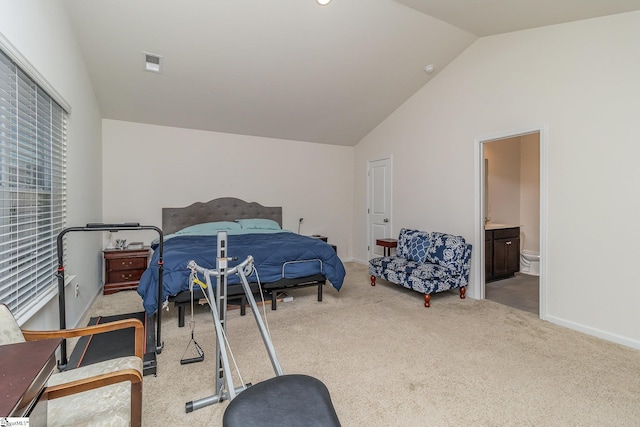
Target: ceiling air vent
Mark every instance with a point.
(152, 62)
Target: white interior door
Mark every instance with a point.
(379, 210)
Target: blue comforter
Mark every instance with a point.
(270, 252)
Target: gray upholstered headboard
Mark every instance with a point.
(222, 209)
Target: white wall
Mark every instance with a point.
(41, 32)
(149, 167)
(580, 80)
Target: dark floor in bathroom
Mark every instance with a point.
(520, 291)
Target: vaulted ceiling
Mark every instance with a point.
(288, 69)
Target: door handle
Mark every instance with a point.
(509, 242)
(386, 220)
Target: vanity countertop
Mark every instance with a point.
(491, 226)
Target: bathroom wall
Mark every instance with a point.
(504, 180)
(514, 185)
(530, 191)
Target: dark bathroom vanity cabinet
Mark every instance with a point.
(502, 252)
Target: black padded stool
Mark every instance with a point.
(283, 401)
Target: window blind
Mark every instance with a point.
(32, 187)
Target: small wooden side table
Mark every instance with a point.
(25, 368)
(387, 244)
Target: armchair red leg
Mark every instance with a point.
(373, 280)
(463, 292)
(427, 300)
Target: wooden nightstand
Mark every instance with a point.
(324, 239)
(123, 268)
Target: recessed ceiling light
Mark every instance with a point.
(152, 62)
(429, 69)
(323, 2)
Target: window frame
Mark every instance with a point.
(33, 186)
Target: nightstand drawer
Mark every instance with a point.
(124, 276)
(126, 264)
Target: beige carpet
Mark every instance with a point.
(388, 361)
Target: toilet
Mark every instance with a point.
(530, 262)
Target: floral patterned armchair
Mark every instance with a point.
(427, 262)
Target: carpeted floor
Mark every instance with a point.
(388, 361)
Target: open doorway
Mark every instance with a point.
(511, 206)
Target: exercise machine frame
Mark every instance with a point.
(152, 334)
(219, 313)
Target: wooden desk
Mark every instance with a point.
(24, 370)
(387, 244)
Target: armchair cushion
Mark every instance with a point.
(127, 362)
(446, 250)
(406, 241)
(10, 332)
(418, 246)
(106, 406)
(383, 266)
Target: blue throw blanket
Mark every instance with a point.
(270, 252)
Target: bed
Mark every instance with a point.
(283, 259)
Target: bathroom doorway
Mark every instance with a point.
(511, 185)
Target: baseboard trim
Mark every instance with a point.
(608, 336)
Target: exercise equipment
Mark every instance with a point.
(218, 305)
(154, 343)
(287, 400)
(284, 400)
(193, 280)
(96, 348)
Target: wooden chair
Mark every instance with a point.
(105, 393)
